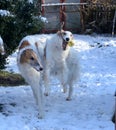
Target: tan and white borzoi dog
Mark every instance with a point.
(29, 63)
(61, 60)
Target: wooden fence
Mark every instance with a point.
(62, 11)
(98, 17)
(78, 16)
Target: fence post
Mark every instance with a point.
(62, 14)
(114, 20)
(82, 17)
(43, 10)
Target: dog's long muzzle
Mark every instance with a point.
(37, 67)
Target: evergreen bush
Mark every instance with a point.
(21, 20)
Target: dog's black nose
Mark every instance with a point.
(41, 69)
(67, 39)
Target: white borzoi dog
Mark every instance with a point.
(61, 60)
(2, 50)
(29, 63)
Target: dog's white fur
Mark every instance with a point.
(2, 50)
(30, 74)
(37, 43)
(57, 58)
(61, 61)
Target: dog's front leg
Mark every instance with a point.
(37, 91)
(64, 77)
(70, 91)
(64, 88)
(40, 104)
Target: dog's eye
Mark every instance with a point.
(32, 58)
(64, 33)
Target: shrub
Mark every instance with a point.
(21, 20)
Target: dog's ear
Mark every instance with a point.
(62, 26)
(24, 44)
(60, 32)
(61, 29)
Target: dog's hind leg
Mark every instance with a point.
(64, 88)
(70, 91)
(46, 82)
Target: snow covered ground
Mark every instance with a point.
(93, 100)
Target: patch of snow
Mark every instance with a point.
(5, 13)
(93, 100)
(30, 1)
(43, 19)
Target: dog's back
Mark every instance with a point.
(36, 41)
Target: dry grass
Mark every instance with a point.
(10, 79)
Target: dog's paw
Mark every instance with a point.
(46, 94)
(68, 99)
(40, 116)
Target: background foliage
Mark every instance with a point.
(98, 15)
(22, 20)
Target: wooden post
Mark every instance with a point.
(114, 20)
(82, 17)
(62, 14)
(43, 10)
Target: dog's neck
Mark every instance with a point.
(64, 43)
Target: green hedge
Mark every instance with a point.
(23, 20)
